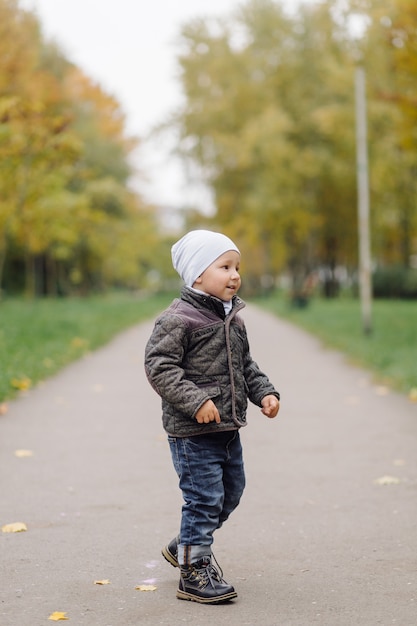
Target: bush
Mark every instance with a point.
(395, 282)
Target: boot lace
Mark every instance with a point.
(210, 573)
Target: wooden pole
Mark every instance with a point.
(365, 278)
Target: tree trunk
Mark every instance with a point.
(30, 275)
(3, 253)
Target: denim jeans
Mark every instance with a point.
(212, 479)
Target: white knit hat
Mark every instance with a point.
(194, 252)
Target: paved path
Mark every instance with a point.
(315, 541)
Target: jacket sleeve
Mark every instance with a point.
(164, 355)
(257, 382)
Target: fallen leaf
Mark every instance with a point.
(102, 582)
(412, 394)
(57, 616)
(16, 527)
(387, 480)
(22, 384)
(381, 390)
(3, 408)
(23, 453)
(78, 342)
(146, 588)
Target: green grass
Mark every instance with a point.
(389, 351)
(39, 337)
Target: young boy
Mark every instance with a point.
(198, 360)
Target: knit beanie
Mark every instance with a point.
(198, 249)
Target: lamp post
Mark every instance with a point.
(365, 279)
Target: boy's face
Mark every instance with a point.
(221, 279)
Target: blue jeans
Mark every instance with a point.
(212, 480)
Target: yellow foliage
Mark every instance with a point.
(102, 582)
(21, 383)
(21, 454)
(58, 616)
(387, 480)
(78, 342)
(412, 395)
(15, 527)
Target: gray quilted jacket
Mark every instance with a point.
(195, 353)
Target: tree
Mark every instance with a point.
(267, 120)
(68, 219)
(392, 77)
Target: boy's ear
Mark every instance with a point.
(197, 280)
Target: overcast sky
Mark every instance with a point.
(129, 47)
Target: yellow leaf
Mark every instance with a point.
(3, 408)
(412, 395)
(102, 582)
(78, 342)
(16, 527)
(146, 588)
(21, 383)
(23, 453)
(387, 480)
(57, 616)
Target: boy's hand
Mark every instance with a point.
(270, 406)
(208, 413)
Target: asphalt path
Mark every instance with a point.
(326, 532)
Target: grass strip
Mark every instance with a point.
(39, 337)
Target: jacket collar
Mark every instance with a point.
(202, 300)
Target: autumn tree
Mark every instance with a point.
(269, 119)
(265, 116)
(68, 219)
(389, 50)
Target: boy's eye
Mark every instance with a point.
(228, 267)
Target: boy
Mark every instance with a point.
(198, 360)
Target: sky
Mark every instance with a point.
(130, 48)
